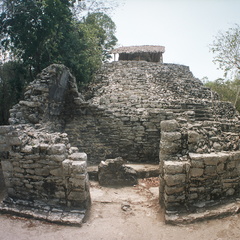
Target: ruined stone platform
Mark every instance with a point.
(205, 213)
(143, 170)
(40, 211)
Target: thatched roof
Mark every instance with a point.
(139, 49)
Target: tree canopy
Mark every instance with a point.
(226, 50)
(38, 33)
(227, 90)
(41, 32)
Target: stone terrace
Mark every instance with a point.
(126, 103)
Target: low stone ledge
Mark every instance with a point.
(43, 212)
(216, 212)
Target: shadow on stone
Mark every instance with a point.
(113, 172)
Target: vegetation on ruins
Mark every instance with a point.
(226, 50)
(37, 33)
(227, 90)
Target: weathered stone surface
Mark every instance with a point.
(78, 156)
(193, 137)
(172, 180)
(169, 126)
(57, 149)
(112, 172)
(171, 136)
(196, 172)
(174, 167)
(40, 164)
(133, 110)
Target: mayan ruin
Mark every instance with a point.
(140, 111)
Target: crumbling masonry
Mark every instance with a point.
(140, 111)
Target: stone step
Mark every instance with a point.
(143, 170)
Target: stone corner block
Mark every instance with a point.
(78, 156)
(169, 125)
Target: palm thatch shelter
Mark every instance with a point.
(147, 53)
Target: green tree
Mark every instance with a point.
(34, 29)
(104, 29)
(13, 79)
(41, 32)
(226, 50)
(227, 90)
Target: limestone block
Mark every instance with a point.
(172, 180)
(193, 137)
(170, 148)
(174, 198)
(217, 146)
(220, 168)
(6, 165)
(78, 156)
(30, 104)
(5, 129)
(174, 190)
(170, 136)
(230, 192)
(30, 171)
(14, 141)
(73, 150)
(196, 172)
(43, 147)
(197, 164)
(77, 182)
(231, 165)
(227, 185)
(57, 149)
(210, 170)
(67, 167)
(172, 167)
(33, 118)
(211, 159)
(18, 170)
(58, 172)
(78, 195)
(57, 158)
(29, 186)
(79, 167)
(192, 196)
(236, 156)
(169, 126)
(3, 139)
(60, 195)
(42, 171)
(27, 149)
(81, 176)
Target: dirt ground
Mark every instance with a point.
(131, 213)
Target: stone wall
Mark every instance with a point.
(41, 169)
(43, 166)
(139, 111)
(199, 164)
(126, 103)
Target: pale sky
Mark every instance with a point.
(185, 27)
